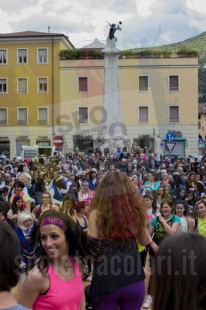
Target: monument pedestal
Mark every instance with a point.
(112, 142)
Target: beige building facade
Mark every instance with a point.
(157, 96)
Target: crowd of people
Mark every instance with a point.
(112, 210)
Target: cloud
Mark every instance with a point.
(4, 23)
(145, 22)
(56, 25)
(170, 7)
(196, 5)
(119, 6)
(162, 25)
(144, 7)
(16, 6)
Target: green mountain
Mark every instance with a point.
(199, 43)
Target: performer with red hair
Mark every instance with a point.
(80, 208)
(117, 220)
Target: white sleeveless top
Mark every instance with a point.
(183, 225)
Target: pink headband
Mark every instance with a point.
(54, 221)
(149, 196)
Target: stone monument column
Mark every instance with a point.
(111, 111)
(113, 131)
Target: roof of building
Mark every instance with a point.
(29, 34)
(96, 44)
(202, 108)
(24, 34)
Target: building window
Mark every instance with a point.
(22, 56)
(42, 115)
(83, 115)
(143, 114)
(3, 116)
(42, 55)
(42, 85)
(22, 85)
(173, 82)
(3, 86)
(3, 57)
(143, 83)
(22, 116)
(82, 84)
(174, 114)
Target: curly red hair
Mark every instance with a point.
(120, 208)
(79, 205)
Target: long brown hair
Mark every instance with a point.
(13, 205)
(70, 198)
(120, 208)
(179, 279)
(189, 182)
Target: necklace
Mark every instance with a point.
(167, 219)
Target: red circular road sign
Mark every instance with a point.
(58, 141)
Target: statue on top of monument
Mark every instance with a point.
(113, 28)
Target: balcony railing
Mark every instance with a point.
(22, 122)
(42, 122)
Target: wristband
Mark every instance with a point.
(151, 243)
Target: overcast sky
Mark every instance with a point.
(145, 22)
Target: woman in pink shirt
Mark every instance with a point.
(55, 283)
(165, 180)
(63, 164)
(86, 195)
